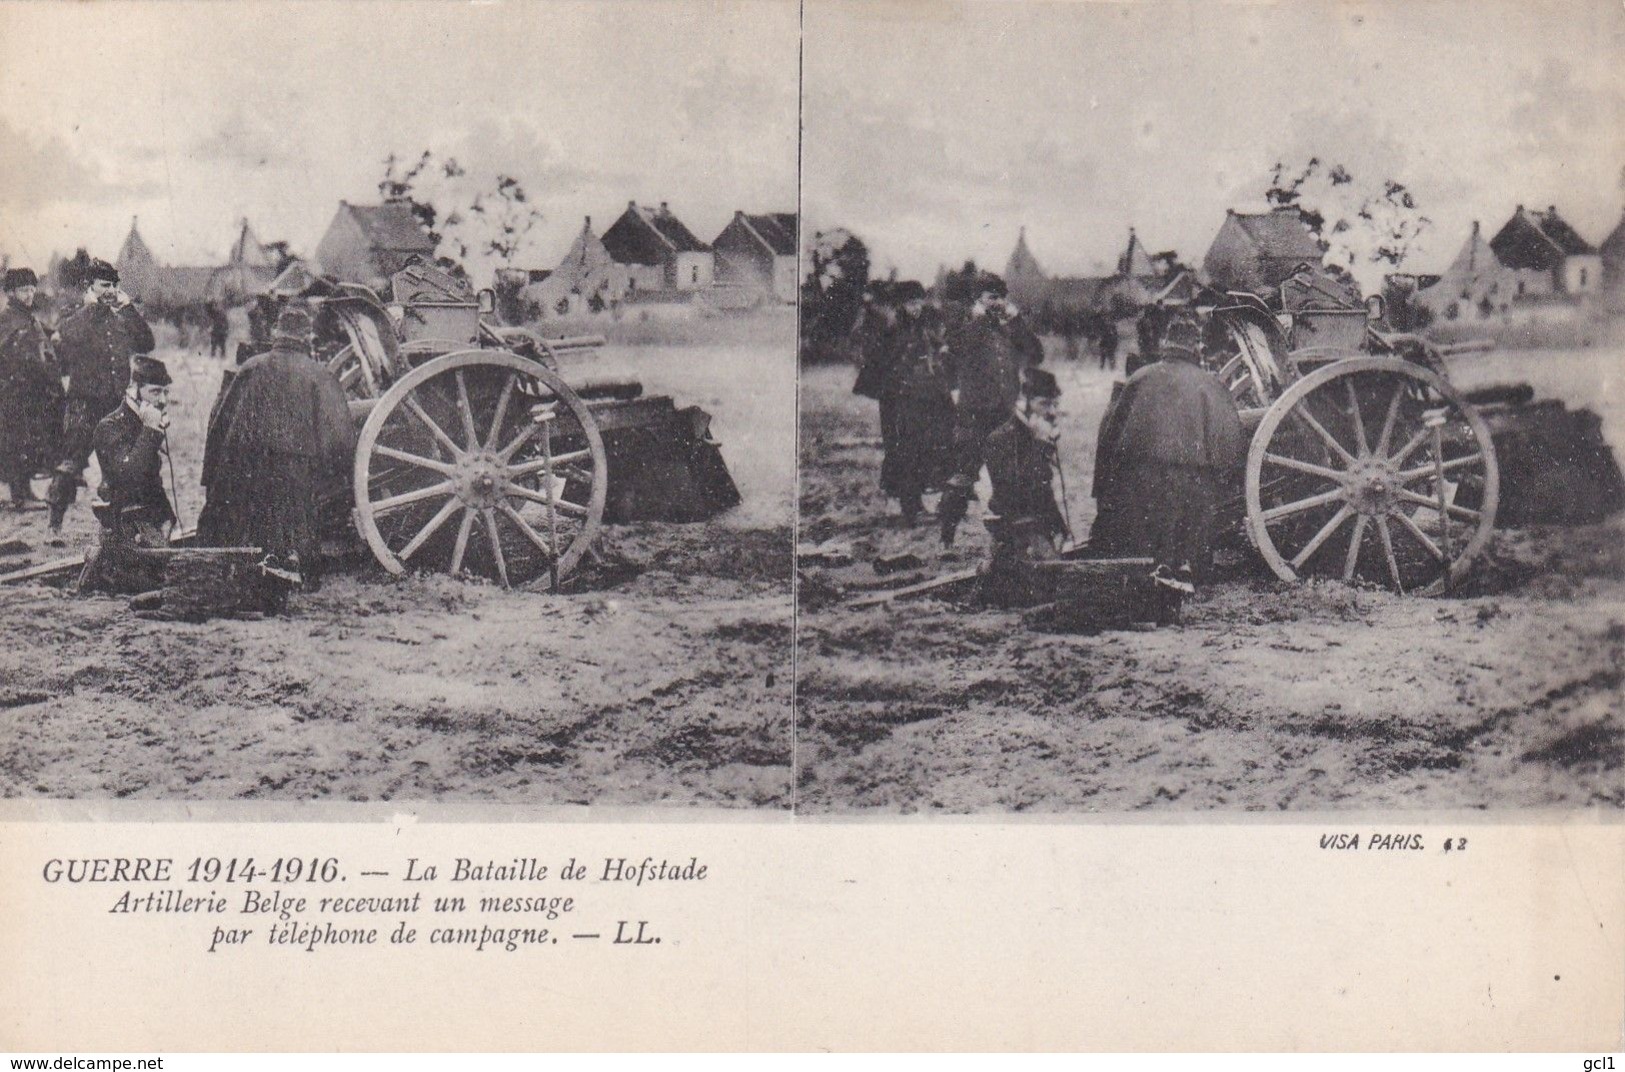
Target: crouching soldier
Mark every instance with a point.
(1026, 524)
(1169, 446)
(134, 511)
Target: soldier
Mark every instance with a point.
(989, 355)
(1026, 523)
(219, 328)
(98, 342)
(917, 393)
(1147, 329)
(30, 391)
(1108, 343)
(131, 505)
(1168, 447)
(281, 437)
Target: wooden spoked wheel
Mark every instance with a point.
(1372, 469)
(480, 462)
(1245, 364)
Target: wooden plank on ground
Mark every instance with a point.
(876, 598)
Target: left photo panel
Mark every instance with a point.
(397, 403)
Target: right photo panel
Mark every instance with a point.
(1211, 407)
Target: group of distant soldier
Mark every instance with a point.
(279, 436)
(962, 389)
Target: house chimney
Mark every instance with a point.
(632, 205)
(586, 224)
(1551, 210)
(663, 209)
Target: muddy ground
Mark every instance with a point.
(1271, 696)
(667, 683)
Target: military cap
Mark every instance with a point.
(148, 371)
(20, 277)
(1042, 384)
(1182, 339)
(100, 269)
(293, 324)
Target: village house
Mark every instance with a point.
(368, 244)
(1536, 259)
(248, 269)
(1258, 251)
(759, 252)
(1141, 278)
(587, 280)
(1612, 254)
(658, 253)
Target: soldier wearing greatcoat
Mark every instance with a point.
(97, 345)
(1168, 448)
(30, 391)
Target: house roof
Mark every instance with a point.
(1613, 247)
(777, 231)
(1537, 240)
(1022, 263)
(1135, 261)
(391, 226)
(135, 249)
(1280, 233)
(249, 251)
(646, 235)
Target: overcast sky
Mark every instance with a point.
(193, 115)
(934, 130)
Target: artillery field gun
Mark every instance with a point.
(477, 455)
(1366, 463)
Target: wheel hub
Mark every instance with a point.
(1373, 487)
(481, 480)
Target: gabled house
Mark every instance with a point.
(138, 270)
(1139, 279)
(172, 286)
(1258, 251)
(587, 280)
(658, 252)
(248, 270)
(1549, 256)
(1536, 257)
(1612, 255)
(368, 244)
(758, 252)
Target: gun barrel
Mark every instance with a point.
(1470, 346)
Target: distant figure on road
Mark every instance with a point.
(219, 328)
(98, 343)
(1108, 343)
(30, 391)
(1168, 447)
